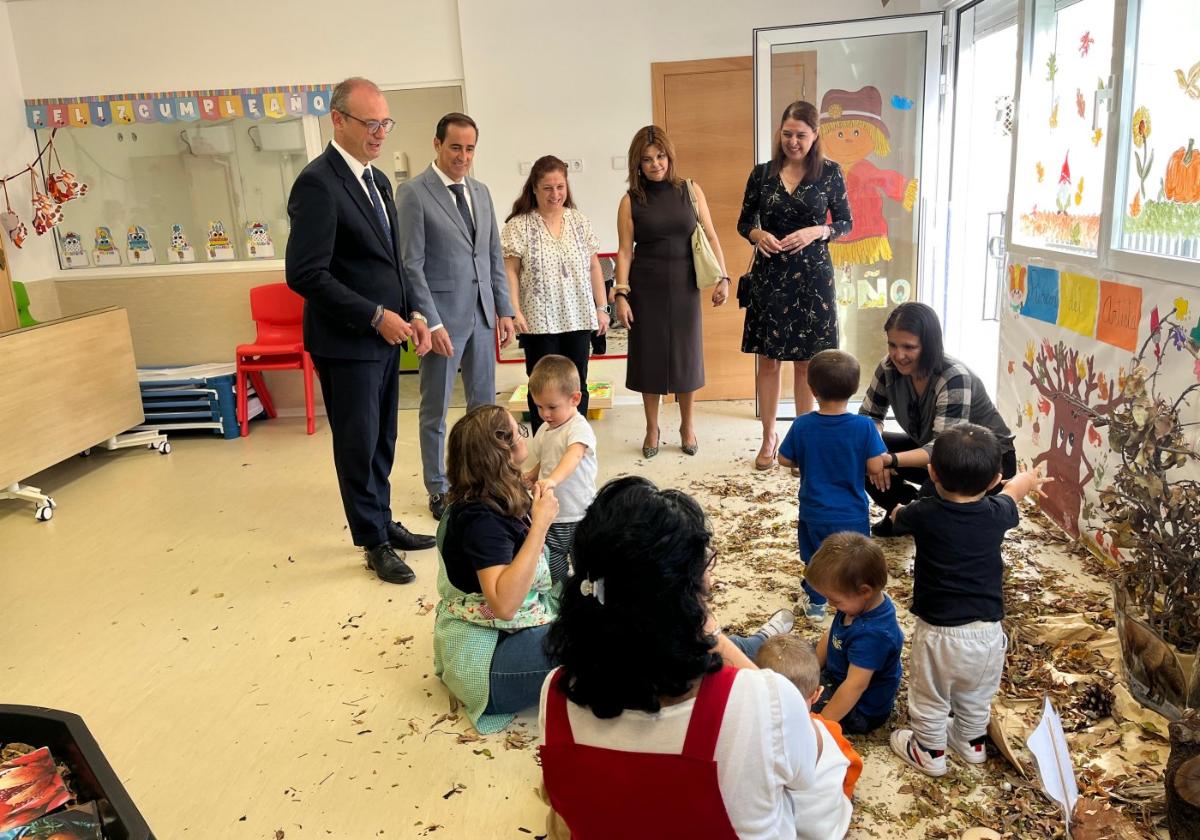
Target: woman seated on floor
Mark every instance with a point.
(494, 582)
(647, 729)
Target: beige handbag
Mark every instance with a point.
(708, 270)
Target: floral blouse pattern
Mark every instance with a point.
(555, 281)
(792, 313)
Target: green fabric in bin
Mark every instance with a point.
(21, 296)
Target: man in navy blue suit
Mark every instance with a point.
(343, 258)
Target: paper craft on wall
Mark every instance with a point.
(73, 253)
(140, 250)
(852, 129)
(218, 243)
(181, 250)
(258, 241)
(106, 252)
(901, 291)
(872, 294)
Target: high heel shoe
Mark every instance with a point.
(690, 448)
(651, 451)
(763, 465)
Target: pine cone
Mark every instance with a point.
(1096, 702)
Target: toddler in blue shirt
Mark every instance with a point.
(834, 450)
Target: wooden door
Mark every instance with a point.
(707, 109)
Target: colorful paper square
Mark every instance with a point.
(1079, 296)
(1120, 313)
(1041, 298)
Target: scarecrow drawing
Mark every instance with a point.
(852, 128)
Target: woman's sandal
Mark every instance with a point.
(764, 465)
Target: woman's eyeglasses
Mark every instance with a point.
(373, 126)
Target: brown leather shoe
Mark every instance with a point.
(763, 464)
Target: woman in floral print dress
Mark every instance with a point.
(794, 205)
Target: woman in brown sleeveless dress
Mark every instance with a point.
(656, 294)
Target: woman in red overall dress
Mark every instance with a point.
(648, 730)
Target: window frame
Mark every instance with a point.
(1108, 258)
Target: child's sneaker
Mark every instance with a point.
(905, 745)
(777, 625)
(972, 752)
(813, 612)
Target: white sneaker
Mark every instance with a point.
(905, 744)
(777, 625)
(968, 752)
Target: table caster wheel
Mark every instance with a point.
(44, 513)
(164, 448)
(85, 453)
(53, 504)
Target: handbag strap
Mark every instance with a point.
(692, 196)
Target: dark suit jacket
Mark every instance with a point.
(339, 261)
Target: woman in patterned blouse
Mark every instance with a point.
(554, 276)
(794, 204)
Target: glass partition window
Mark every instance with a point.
(1158, 206)
(164, 193)
(1062, 147)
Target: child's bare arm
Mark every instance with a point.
(1022, 484)
(530, 476)
(823, 648)
(848, 693)
(566, 466)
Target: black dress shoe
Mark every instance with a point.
(390, 566)
(405, 540)
(437, 504)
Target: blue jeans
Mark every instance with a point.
(519, 667)
(810, 535)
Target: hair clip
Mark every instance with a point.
(594, 588)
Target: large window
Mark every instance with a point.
(221, 187)
(1157, 211)
(1062, 152)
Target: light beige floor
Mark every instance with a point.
(207, 615)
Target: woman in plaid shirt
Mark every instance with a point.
(927, 392)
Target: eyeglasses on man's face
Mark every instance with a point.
(373, 126)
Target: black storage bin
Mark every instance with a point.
(71, 743)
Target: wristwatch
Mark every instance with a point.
(895, 462)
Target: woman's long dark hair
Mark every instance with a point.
(647, 136)
(527, 201)
(920, 320)
(814, 161)
(647, 640)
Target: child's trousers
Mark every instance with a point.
(559, 540)
(954, 669)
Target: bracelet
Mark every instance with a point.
(895, 461)
(723, 279)
(624, 294)
(621, 287)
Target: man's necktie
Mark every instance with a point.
(460, 198)
(377, 203)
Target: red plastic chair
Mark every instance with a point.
(277, 311)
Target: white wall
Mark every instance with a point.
(544, 80)
(36, 260)
(121, 47)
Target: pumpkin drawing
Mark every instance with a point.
(1182, 182)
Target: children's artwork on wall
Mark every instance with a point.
(62, 185)
(181, 250)
(73, 253)
(258, 241)
(219, 247)
(901, 291)
(17, 232)
(46, 213)
(852, 129)
(1066, 366)
(105, 252)
(140, 250)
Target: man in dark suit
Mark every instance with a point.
(343, 258)
(450, 244)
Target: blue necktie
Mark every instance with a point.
(377, 203)
(460, 198)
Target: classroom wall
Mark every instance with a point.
(36, 260)
(539, 77)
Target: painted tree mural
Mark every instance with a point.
(1068, 384)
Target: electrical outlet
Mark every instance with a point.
(574, 164)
